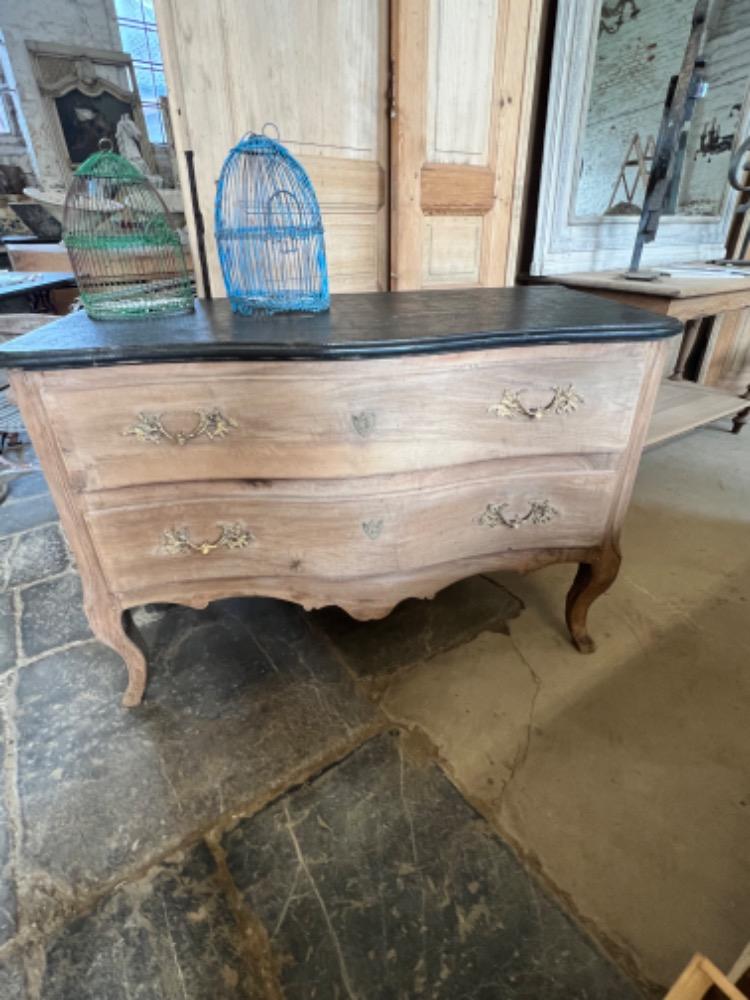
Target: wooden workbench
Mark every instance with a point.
(681, 405)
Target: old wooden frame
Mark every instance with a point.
(82, 64)
(566, 243)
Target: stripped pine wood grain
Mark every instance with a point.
(358, 483)
(355, 418)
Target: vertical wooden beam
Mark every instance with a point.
(179, 121)
(409, 61)
(513, 37)
(538, 10)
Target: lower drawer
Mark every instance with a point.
(360, 528)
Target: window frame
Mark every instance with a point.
(147, 26)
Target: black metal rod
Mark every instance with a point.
(200, 229)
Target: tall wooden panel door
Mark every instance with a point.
(318, 71)
(463, 73)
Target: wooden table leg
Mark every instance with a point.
(686, 346)
(106, 621)
(740, 418)
(591, 581)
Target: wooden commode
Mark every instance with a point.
(358, 457)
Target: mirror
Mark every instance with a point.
(639, 46)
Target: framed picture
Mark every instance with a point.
(85, 93)
(85, 121)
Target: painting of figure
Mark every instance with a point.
(87, 120)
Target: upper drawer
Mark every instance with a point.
(167, 423)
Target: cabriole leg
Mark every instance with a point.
(108, 627)
(591, 581)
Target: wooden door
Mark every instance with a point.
(318, 70)
(462, 93)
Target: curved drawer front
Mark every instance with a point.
(341, 419)
(341, 531)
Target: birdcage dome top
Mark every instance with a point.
(107, 165)
(256, 144)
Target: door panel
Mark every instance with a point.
(318, 71)
(460, 70)
(463, 75)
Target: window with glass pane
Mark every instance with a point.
(139, 37)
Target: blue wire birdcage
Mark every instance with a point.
(269, 231)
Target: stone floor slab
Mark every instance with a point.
(243, 697)
(52, 614)
(624, 770)
(7, 632)
(168, 936)
(30, 513)
(31, 484)
(36, 555)
(417, 630)
(378, 880)
(7, 876)
(12, 979)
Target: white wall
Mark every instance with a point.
(14, 148)
(631, 74)
(86, 23)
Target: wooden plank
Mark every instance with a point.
(14, 324)
(721, 348)
(169, 44)
(531, 104)
(683, 298)
(52, 257)
(699, 306)
(660, 305)
(518, 30)
(331, 533)
(679, 307)
(676, 287)
(684, 406)
(343, 419)
(698, 977)
(318, 73)
(409, 37)
(447, 189)
(344, 185)
(103, 611)
(728, 365)
(452, 158)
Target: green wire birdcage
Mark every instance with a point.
(124, 249)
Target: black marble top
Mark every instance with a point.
(377, 324)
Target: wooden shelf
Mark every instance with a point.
(683, 406)
(700, 979)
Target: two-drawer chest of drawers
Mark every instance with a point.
(359, 457)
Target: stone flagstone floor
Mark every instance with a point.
(258, 828)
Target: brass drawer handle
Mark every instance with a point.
(539, 512)
(211, 423)
(564, 400)
(177, 541)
